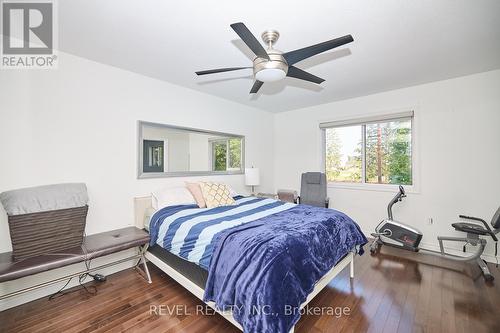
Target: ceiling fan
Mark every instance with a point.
(273, 65)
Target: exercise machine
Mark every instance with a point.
(397, 234)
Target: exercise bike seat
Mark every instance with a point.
(470, 228)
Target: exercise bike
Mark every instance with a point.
(397, 234)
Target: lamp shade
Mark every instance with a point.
(252, 176)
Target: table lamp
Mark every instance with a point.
(252, 178)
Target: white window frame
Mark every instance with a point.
(363, 120)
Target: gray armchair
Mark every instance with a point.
(313, 189)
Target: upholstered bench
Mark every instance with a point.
(94, 246)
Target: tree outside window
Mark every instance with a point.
(226, 154)
(376, 152)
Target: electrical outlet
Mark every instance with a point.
(430, 220)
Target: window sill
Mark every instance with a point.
(373, 187)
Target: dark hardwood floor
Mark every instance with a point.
(396, 291)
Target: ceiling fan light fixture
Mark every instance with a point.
(271, 70)
(270, 75)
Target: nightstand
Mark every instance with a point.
(288, 196)
(267, 195)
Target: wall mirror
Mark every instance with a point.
(172, 151)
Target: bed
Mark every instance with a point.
(248, 260)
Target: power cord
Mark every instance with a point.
(496, 252)
(60, 291)
(81, 278)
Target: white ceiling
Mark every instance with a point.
(397, 43)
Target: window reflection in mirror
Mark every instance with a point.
(167, 151)
(226, 154)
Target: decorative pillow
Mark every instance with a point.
(232, 192)
(172, 196)
(216, 194)
(195, 190)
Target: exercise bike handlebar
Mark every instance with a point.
(471, 218)
(398, 197)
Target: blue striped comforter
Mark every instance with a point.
(190, 232)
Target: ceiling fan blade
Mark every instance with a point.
(250, 40)
(220, 70)
(293, 57)
(303, 75)
(256, 86)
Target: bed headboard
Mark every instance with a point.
(141, 207)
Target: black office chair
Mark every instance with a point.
(313, 190)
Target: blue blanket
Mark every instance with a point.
(264, 270)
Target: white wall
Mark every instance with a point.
(59, 125)
(458, 146)
(176, 147)
(199, 152)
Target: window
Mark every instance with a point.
(226, 154)
(343, 154)
(374, 151)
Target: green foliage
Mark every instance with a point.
(388, 153)
(352, 170)
(235, 153)
(332, 155)
(220, 155)
(335, 171)
(399, 166)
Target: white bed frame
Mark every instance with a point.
(143, 207)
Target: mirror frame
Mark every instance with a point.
(148, 175)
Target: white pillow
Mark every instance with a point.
(232, 192)
(172, 196)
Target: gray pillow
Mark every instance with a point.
(44, 198)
